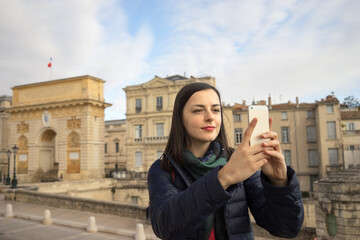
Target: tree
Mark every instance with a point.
(351, 102)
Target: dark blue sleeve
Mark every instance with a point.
(174, 213)
(277, 209)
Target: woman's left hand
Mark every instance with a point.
(275, 169)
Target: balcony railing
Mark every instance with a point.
(151, 140)
(129, 175)
(334, 167)
(351, 132)
(159, 108)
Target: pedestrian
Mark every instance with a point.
(201, 188)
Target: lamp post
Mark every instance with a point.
(117, 153)
(8, 175)
(14, 181)
(116, 164)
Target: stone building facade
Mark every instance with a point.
(148, 118)
(5, 103)
(310, 135)
(115, 150)
(59, 129)
(350, 123)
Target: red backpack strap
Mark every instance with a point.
(173, 175)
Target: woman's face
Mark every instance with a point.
(202, 117)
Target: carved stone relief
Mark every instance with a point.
(23, 127)
(73, 123)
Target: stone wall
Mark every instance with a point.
(309, 213)
(76, 203)
(126, 191)
(68, 186)
(338, 205)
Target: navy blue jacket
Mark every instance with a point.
(179, 206)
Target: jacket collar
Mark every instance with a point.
(182, 172)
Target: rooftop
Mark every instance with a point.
(348, 115)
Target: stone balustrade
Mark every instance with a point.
(76, 203)
(152, 140)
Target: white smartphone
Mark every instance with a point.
(261, 112)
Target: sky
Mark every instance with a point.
(254, 48)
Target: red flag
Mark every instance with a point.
(50, 63)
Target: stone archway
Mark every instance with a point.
(47, 153)
(46, 113)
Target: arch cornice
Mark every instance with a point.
(62, 104)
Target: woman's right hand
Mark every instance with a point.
(245, 160)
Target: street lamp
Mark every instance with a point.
(14, 181)
(8, 175)
(117, 153)
(116, 164)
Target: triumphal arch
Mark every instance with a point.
(59, 128)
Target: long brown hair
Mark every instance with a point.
(178, 137)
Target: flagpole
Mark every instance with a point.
(51, 69)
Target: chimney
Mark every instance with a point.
(297, 102)
(269, 102)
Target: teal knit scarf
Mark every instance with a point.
(214, 157)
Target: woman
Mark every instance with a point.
(202, 189)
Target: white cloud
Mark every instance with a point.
(82, 37)
(294, 48)
(67, 31)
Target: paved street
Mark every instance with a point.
(19, 229)
(67, 224)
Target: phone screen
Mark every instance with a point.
(261, 112)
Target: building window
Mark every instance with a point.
(311, 133)
(137, 105)
(238, 135)
(331, 130)
(106, 148)
(329, 108)
(134, 200)
(313, 157)
(159, 129)
(310, 114)
(287, 155)
(333, 156)
(285, 137)
(159, 103)
(138, 131)
(138, 159)
(284, 116)
(237, 117)
(350, 126)
(351, 147)
(116, 147)
(331, 224)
